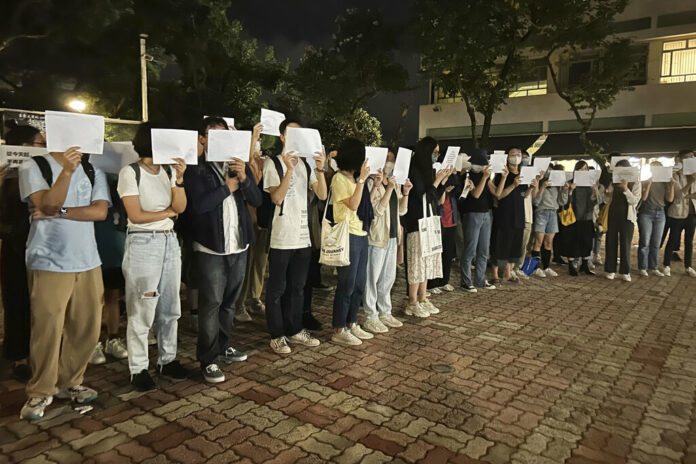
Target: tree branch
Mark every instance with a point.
(7, 42)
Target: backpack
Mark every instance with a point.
(47, 173)
(264, 213)
(136, 168)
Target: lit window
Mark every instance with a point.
(532, 82)
(678, 61)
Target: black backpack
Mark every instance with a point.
(47, 174)
(264, 213)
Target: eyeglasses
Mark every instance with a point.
(38, 144)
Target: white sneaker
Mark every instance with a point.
(415, 309)
(427, 294)
(667, 271)
(626, 277)
(375, 326)
(242, 315)
(344, 337)
(357, 331)
(116, 348)
(428, 306)
(550, 272)
(447, 288)
(280, 345)
(690, 271)
(98, 355)
(656, 272)
(520, 273)
(390, 321)
(610, 275)
(538, 272)
(304, 338)
(643, 273)
(213, 374)
(79, 394)
(34, 408)
(435, 291)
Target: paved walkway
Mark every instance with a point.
(579, 370)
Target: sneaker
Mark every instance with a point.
(390, 321)
(116, 348)
(691, 272)
(520, 273)
(34, 408)
(428, 306)
(174, 370)
(427, 294)
(375, 326)
(79, 394)
(435, 291)
(344, 337)
(323, 287)
(415, 309)
(357, 331)
(656, 272)
(257, 306)
(193, 322)
(550, 272)
(447, 288)
(98, 355)
(304, 338)
(213, 374)
(626, 277)
(143, 382)
(488, 286)
(667, 271)
(610, 275)
(242, 315)
(310, 322)
(469, 288)
(539, 273)
(232, 356)
(643, 273)
(280, 345)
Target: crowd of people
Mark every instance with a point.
(76, 243)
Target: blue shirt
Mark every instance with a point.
(62, 245)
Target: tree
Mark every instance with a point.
(334, 131)
(337, 82)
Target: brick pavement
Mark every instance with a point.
(577, 370)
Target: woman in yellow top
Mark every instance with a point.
(351, 202)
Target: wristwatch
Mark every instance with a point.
(361, 181)
(63, 212)
(180, 185)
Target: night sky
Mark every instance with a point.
(291, 25)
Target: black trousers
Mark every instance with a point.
(676, 226)
(287, 276)
(15, 300)
(313, 279)
(618, 240)
(449, 251)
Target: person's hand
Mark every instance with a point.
(486, 172)
(180, 168)
(544, 183)
(449, 188)
(290, 160)
(72, 157)
(535, 182)
(470, 184)
(406, 187)
(239, 167)
(392, 182)
(37, 214)
(364, 171)
(256, 132)
(505, 172)
(379, 177)
(517, 181)
(566, 186)
(320, 159)
(624, 185)
(171, 213)
(232, 182)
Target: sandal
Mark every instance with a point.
(495, 282)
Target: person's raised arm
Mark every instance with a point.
(319, 187)
(353, 201)
(485, 176)
(178, 192)
(51, 201)
(278, 193)
(669, 193)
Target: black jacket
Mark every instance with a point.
(205, 193)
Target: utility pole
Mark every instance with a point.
(143, 76)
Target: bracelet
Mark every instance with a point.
(180, 185)
(361, 181)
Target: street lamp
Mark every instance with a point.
(77, 105)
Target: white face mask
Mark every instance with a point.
(677, 166)
(388, 168)
(477, 168)
(515, 160)
(333, 164)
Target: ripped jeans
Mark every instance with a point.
(152, 269)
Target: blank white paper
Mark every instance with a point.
(402, 165)
(626, 174)
(224, 145)
(527, 175)
(557, 178)
(65, 130)
(376, 158)
(689, 166)
(542, 164)
(304, 142)
(498, 162)
(168, 144)
(662, 173)
(271, 121)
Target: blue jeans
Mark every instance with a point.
(381, 273)
(220, 284)
(651, 223)
(477, 238)
(351, 284)
(152, 269)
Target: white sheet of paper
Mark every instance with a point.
(557, 178)
(450, 157)
(498, 152)
(461, 160)
(662, 173)
(223, 145)
(584, 178)
(437, 167)
(168, 144)
(376, 158)
(689, 166)
(616, 159)
(14, 155)
(542, 164)
(527, 174)
(65, 130)
(116, 155)
(626, 174)
(402, 165)
(305, 142)
(569, 176)
(271, 121)
(498, 162)
(645, 172)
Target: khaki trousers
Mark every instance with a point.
(255, 267)
(66, 309)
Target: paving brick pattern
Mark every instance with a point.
(576, 370)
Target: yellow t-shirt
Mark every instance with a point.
(343, 188)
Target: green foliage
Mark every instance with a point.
(334, 131)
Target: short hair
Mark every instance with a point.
(579, 165)
(684, 151)
(623, 164)
(351, 155)
(525, 152)
(286, 122)
(21, 134)
(513, 147)
(142, 141)
(211, 121)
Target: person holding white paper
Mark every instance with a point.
(651, 222)
(545, 228)
(528, 222)
(287, 179)
(222, 231)
(622, 221)
(681, 215)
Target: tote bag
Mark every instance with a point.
(430, 232)
(335, 241)
(567, 215)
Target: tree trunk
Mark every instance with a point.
(472, 117)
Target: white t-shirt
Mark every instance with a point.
(155, 194)
(291, 230)
(528, 210)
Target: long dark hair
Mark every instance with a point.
(422, 160)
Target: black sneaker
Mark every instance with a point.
(310, 322)
(469, 288)
(174, 370)
(143, 382)
(323, 287)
